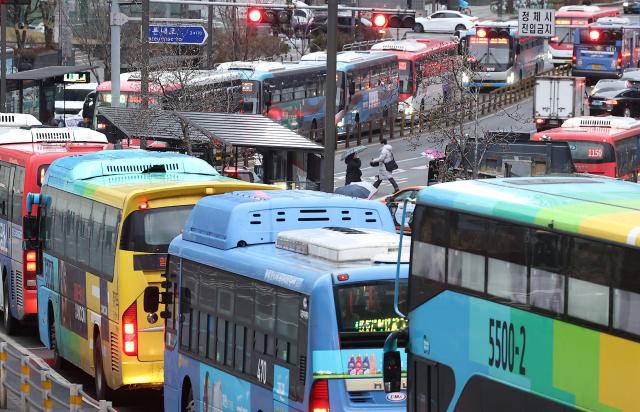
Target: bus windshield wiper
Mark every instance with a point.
(563, 38)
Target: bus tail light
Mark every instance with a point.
(319, 400)
(619, 61)
(30, 259)
(130, 330)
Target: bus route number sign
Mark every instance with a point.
(537, 22)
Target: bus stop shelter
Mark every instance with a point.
(34, 91)
(225, 140)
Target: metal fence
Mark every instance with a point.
(38, 387)
(441, 116)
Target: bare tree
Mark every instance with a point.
(453, 115)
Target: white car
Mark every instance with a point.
(447, 21)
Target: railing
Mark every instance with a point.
(38, 387)
(361, 45)
(443, 116)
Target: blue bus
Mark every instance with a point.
(291, 94)
(281, 305)
(523, 296)
(602, 50)
(368, 88)
(498, 56)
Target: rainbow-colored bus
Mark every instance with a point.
(524, 295)
(105, 223)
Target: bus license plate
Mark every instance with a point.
(596, 66)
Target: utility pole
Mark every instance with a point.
(210, 37)
(144, 72)
(3, 56)
(116, 22)
(330, 98)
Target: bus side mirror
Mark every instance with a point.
(30, 227)
(352, 87)
(392, 371)
(151, 299)
(89, 106)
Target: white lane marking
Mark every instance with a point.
(423, 167)
(633, 235)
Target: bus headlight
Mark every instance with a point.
(511, 78)
(341, 123)
(465, 78)
(549, 55)
(408, 109)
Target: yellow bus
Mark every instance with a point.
(104, 224)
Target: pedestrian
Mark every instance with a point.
(386, 165)
(354, 173)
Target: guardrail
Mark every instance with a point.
(442, 116)
(38, 387)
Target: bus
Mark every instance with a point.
(421, 71)
(367, 87)
(286, 309)
(175, 90)
(498, 56)
(606, 146)
(602, 50)
(524, 296)
(25, 155)
(291, 94)
(568, 18)
(102, 231)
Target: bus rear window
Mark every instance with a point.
(591, 152)
(599, 36)
(368, 308)
(152, 230)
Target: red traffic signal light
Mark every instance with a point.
(254, 15)
(380, 20)
(594, 35)
(394, 20)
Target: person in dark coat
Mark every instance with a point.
(353, 169)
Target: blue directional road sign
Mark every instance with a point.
(177, 34)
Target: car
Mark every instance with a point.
(445, 21)
(631, 7)
(395, 203)
(621, 100)
(241, 173)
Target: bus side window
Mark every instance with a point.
(17, 195)
(5, 182)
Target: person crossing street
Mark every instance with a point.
(386, 165)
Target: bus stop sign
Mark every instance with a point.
(537, 22)
(177, 34)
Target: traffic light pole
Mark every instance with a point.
(330, 99)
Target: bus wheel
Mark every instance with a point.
(10, 323)
(58, 361)
(188, 403)
(102, 389)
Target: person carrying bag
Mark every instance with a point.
(386, 165)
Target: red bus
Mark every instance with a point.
(606, 146)
(421, 64)
(25, 155)
(567, 19)
(216, 91)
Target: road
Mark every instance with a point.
(129, 401)
(412, 166)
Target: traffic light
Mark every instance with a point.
(274, 17)
(492, 32)
(394, 20)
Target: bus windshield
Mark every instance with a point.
(250, 97)
(406, 76)
(490, 54)
(564, 35)
(126, 99)
(368, 308)
(152, 230)
(591, 152)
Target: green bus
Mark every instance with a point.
(524, 295)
